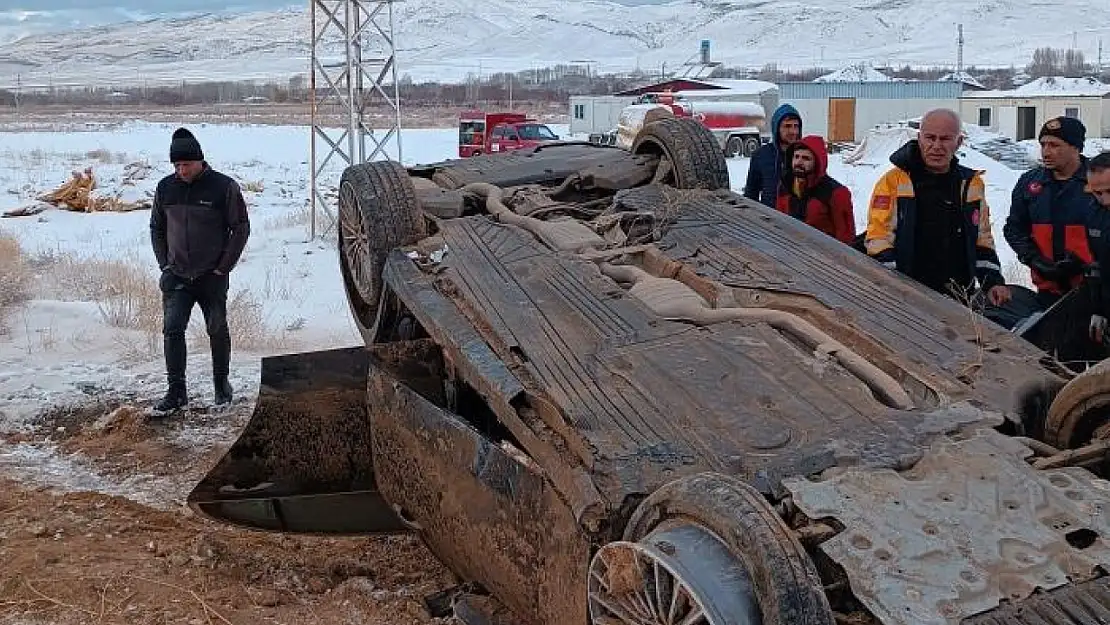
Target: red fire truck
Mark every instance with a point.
(490, 133)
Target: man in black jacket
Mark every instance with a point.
(198, 228)
(1098, 232)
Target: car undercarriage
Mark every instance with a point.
(603, 388)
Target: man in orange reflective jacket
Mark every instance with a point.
(1049, 212)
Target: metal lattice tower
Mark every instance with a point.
(353, 69)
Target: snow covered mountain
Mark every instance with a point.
(449, 39)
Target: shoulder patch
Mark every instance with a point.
(880, 202)
(1035, 187)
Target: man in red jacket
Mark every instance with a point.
(809, 194)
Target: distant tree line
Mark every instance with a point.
(542, 85)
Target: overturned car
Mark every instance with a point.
(603, 388)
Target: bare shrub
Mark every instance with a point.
(125, 290)
(299, 216)
(15, 275)
(247, 323)
(106, 157)
(128, 297)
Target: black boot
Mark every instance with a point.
(176, 397)
(223, 389)
(221, 365)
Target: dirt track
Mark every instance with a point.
(83, 557)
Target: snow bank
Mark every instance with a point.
(878, 144)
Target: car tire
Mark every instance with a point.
(695, 157)
(1081, 407)
(786, 583)
(751, 144)
(378, 211)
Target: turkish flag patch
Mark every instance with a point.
(881, 201)
(1035, 188)
(975, 218)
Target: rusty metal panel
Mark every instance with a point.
(968, 526)
(1082, 604)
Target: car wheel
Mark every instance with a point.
(689, 155)
(751, 144)
(1080, 408)
(378, 211)
(733, 147)
(708, 549)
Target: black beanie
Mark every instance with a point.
(185, 147)
(1069, 129)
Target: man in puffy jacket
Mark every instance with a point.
(765, 168)
(809, 194)
(928, 217)
(1049, 210)
(198, 229)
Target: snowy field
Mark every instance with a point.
(92, 324)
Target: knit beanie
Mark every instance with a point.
(1069, 129)
(185, 147)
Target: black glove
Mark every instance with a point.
(1047, 269)
(1070, 266)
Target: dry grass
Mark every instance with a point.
(127, 295)
(247, 322)
(297, 217)
(125, 291)
(15, 276)
(105, 157)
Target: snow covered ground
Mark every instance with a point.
(70, 343)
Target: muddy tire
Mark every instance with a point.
(733, 146)
(378, 211)
(695, 158)
(786, 584)
(1081, 407)
(751, 144)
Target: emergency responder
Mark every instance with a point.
(1049, 211)
(766, 164)
(809, 194)
(928, 216)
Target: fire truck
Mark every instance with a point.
(740, 127)
(490, 133)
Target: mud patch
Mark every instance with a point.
(111, 445)
(93, 558)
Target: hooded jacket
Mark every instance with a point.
(765, 168)
(817, 199)
(893, 216)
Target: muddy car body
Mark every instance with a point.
(603, 388)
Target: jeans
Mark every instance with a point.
(178, 298)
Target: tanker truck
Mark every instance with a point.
(738, 127)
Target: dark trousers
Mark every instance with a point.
(1063, 331)
(178, 298)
